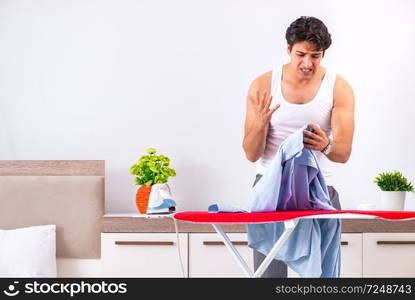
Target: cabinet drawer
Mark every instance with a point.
(389, 255)
(351, 256)
(209, 257)
(142, 254)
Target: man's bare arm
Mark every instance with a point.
(342, 121)
(258, 115)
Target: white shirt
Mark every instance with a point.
(290, 117)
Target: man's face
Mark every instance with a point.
(305, 59)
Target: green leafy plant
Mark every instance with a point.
(393, 181)
(152, 169)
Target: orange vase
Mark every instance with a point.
(141, 198)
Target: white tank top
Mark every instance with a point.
(290, 117)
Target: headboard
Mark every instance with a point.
(68, 193)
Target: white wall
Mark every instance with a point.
(107, 79)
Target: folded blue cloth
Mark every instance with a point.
(214, 208)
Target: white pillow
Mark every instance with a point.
(28, 252)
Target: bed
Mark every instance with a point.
(66, 193)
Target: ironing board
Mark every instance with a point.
(290, 219)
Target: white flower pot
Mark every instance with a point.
(392, 200)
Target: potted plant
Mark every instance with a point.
(393, 187)
(152, 173)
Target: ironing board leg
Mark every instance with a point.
(235, 254)
(289, 227)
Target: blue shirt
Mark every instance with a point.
(293, 180)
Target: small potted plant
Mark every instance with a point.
(393, 187)
(152, 173)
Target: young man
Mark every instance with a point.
(299, 93)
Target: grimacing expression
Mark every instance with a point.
(305, 58)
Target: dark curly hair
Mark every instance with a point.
(308, 29)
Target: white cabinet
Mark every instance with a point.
(209, 257)
(143, 254)
(389, 255)
(205, 255)
(351, 256)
